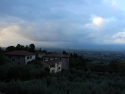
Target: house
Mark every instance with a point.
(64, 58)
(20, 57)
(55, 65)
(40, 55)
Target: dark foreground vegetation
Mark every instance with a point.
(74, 81)
(81, 78)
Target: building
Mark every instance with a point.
(55, 65)
(19, 57)
(40, 54)
(64, 58)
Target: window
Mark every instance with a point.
(52, 66)
(52, 71)
(30, 57)
(27, 57)
(58, 68)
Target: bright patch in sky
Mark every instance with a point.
(97, 21)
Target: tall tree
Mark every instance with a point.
(19, 47)
(32, 48)
(10, 48)
(26, 48)
(64, 52)
(40, 49)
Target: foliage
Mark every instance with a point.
(117, 66)
(10, 48)
(47, 69)
(76, 60)
(64, 52)
(35, 79)
(30, 48)
(114, 64)
(35, 62)
(2, 59)
(74, 81)
(121, 65)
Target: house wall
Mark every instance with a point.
(16, 59)
(57, 67)
(65, 63)
(40, 55)
(21, 60)
(29, 58)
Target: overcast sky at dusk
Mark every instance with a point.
(62, 23)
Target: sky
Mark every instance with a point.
(62, 23)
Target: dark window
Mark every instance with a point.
(52, 66)
(58, 68)
(18, 57)
(52, 71)
(27, 57)
(30, 57)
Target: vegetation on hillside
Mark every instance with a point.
(81, 78)
(69, 82)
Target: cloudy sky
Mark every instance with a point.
(62, 23)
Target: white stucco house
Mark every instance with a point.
(20, 57)
(55, 65)
(64, 58)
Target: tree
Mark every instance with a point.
(19, 47)
(114, 64)
(26, 48)
(64, 52)
(40, 49)
(32, 48)
(2, 59)
(10, 48)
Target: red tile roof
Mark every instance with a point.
(56, 55)
(22, 53)
(52, 62)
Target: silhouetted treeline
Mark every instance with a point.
(30, 48)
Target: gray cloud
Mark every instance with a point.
(63, 21)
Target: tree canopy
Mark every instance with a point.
(30, 48)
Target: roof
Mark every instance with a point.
(51, 62)
(56, 55)
(22, 53)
